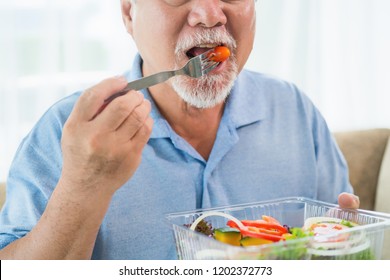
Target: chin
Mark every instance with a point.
(207, 91)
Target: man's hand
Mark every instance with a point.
(348, 201)
(101, 153)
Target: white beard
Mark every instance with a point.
(211, 89)
(206, 91)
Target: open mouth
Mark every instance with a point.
(197, 50)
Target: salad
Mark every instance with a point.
(329, 236)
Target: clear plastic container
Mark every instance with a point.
(360, 242)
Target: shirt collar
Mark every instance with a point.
(246, 102)
(243, 106)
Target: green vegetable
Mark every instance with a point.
(251, 241)
(347, 223)
(228, 235)
(298, 233)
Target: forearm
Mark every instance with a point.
(66, 230)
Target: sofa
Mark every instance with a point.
(367, 153)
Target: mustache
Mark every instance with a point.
(205, 36)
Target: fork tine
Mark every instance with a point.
(210, 67)
(205, 55)
(207, 64)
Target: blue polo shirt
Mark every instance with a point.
(271, 143)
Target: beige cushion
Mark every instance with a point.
(2, 194)
(363, 151)
(382, 202)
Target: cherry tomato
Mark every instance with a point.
(219, 54)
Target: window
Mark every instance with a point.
(50, 49)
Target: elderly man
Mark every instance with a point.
(78, 188)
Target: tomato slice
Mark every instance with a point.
(264, 230)
(219, 54)
(270, 219)
(257, 232)
(265, 225)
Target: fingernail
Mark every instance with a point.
(357, 199)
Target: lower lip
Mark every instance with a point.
(219, 68)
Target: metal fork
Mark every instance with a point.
(196, 67)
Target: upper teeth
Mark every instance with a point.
(209, 46)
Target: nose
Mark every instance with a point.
(207, 13)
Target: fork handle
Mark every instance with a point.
(137, 85)
(149, 81)
(143, 83)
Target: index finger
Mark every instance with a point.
(93, 98)
(119, 110)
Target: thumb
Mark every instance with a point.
(348, 201)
